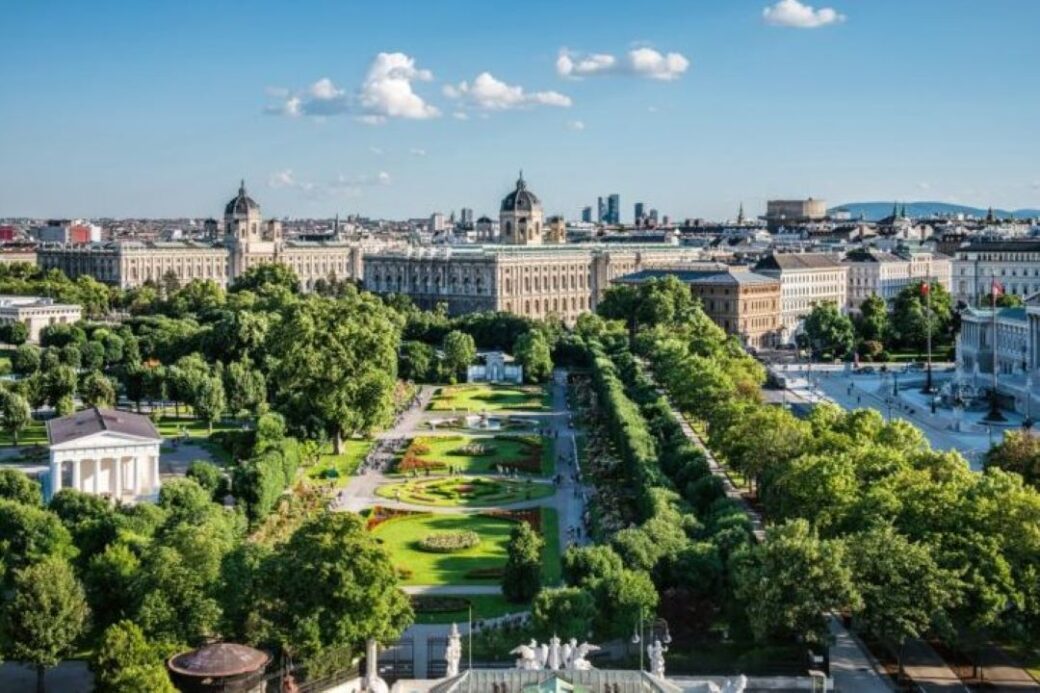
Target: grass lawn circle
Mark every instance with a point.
(466, 492)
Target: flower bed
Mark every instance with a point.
(379, 514)
(449, 542)
(532, 516)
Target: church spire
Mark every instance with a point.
(740, 214)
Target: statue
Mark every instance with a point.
(542, 655)
(454, 651)
(567, 652)
(737, 686)
(528, 657)
(656, 653)
(578, 655)
(554, 662)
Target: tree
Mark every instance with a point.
(26, 359)
(1009, 301)
(459, 351)
(1019, 452)
(903, 590)
(872, 324)
(209, 400)
(29, 534)
(125, 662)
(522, 576)
(208, 476)
(533, 353)
(416, 361)
(92, 355)
(911, 319)
(97, 390)
(829, 330)
(267, 276)
(565, 611)
(15, 413)
(16, 333)
(246, 387)
(91, 521)
(358, 599)
(60, 384)
(15, 485)
(337, 359)
(45, 616)
(790, 581)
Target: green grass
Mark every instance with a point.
(477, 398)
(552, 569)
(33, 434)
(400, 536)
(484, 606)
(344, 464)
(172, 427)
(447, 450)
(466, 492)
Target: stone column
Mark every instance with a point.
(117, 467)
(77, 474)
(55, 477)
(155, 474)
(96, 465)
(135, 484)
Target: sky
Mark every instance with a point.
(399, 109)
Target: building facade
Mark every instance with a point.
(806, 279)
(792, 212)
(886, 274)
(742, 303)
(37, 312)
(1013, 264)
(245, 241)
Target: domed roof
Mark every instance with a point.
(521, 199)
(241, 203)
(219, 660)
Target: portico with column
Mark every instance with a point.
(106, 453)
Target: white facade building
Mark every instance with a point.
(886, 274)
(1014, 264)
(37, 312)
(105, 452)
(806, 279)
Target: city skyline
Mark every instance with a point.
(389, 112)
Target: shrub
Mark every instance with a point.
(485, 573)
(449, 542)
(429, 604)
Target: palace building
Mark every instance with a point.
(531, 272)
(244, 240)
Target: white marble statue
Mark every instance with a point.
(737, 686)
(542, 654)
(527, 656)
(554, 662)
(656, 653)
(578, 655)
(453, 653)
(567, 652)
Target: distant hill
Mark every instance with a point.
(872, 211)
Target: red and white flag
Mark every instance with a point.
(996, 288)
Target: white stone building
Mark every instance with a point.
(1014, 264)
(105, 452)
(37, 312)
(886, 274)
(806, 279)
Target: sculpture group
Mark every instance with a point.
(554, 656)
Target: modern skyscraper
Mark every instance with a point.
(639, 215)
(466, 217)
(614, 209)
(586, 215)
(601, 211)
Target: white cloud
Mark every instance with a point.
(387, 91)
(416, 151)
(640, 62)
(793, 13)
(460, 115)
(575, 125)
(376, 150)
(490, 94)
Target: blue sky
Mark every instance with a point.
(158, 108)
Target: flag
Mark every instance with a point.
(996, 288)
(925, 288)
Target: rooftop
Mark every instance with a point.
(90, 421)
(798, 261)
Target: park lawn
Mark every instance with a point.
(464, 492)
(478, 398)
(506, 449)
(344, 464)
(485, 606)
(400, 537)
(33, 434)
(172, 427)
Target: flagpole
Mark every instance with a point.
(994, 406)
(928, 327)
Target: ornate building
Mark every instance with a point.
(523, 274)
(247, 241)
